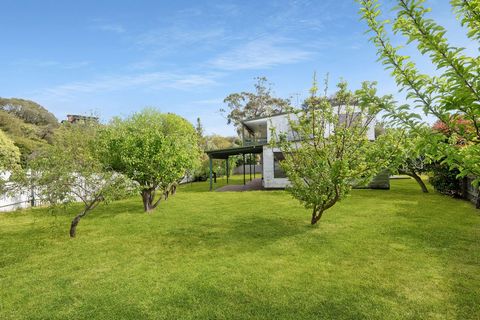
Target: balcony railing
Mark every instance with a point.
(254, 141)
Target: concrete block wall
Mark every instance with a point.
(269, 180)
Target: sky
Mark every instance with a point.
(113, 58)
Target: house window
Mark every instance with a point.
(277, 169)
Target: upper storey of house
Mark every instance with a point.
(258, 131)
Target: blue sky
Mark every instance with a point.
(116, 57)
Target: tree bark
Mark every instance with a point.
(417, 178)
(147, 200)
(73, 226)
(316, 215)
(477, 203)
(319, 210)
(88, 206)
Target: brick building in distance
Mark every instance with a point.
(75, 118)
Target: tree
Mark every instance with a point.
(28, 111)
(27, 124)
(453, 94)
(260, 103)
(154, 149)
(69, 171)
(443, 178)
(199, 129)
(410, 156)
(9, 153)
(211, 142)
(330, 151)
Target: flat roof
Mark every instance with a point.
(265, 117)
(225, 153)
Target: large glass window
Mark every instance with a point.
(277, 169)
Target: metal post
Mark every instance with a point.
(250, 167)
(211, 169)
(254, 166)
(32, 197)
(261, 162)
(228, 171)
(243, 135)
(244, 169)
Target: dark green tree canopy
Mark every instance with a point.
(29, 125)
(28, 111)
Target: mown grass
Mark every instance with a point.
(396, 254)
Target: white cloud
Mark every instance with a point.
(209, 101)
(50, 64)
(261, 53)
(115, 28)
(168, 40)
(152, 80)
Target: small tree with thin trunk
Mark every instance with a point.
(410, 156)
(328, 151)
(69, 171)
(154, 149)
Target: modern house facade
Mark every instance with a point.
(256, 134)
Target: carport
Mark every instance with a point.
(226, 153)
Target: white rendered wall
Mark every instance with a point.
(281, 125)
(269, 181)
(371, 130)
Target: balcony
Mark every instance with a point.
(257, 141)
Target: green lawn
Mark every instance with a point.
(379, 254)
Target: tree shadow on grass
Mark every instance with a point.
(18, 245)
(245, 234)
(271, 301)
(118, 207)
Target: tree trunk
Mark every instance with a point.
(88, 206)
(147, 200)
(417, 178)
(316, 216)
(477, 203)
(73, 226)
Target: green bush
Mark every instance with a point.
(444, 180)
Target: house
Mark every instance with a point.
(75, 118)
(256, 133)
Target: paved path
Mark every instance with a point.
(255, 184)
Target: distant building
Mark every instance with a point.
(75, 118)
